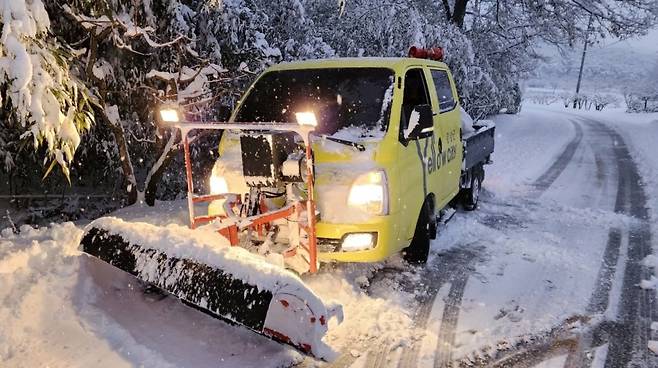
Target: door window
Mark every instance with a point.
(443, 90)
(415, 93)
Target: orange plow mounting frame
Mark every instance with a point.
(257, 222)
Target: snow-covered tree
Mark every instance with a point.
(291, 30)
(389, 28)
(555, 21)
(138, 56)
(116, 61)
(40, 97)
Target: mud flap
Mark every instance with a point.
(279, 314)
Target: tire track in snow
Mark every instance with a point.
(455, 267)
(449, 321)
(452, 267)
(541, 184)
(629, 341)
(529, 350)
(547, 179)
(629, 336)
(378, 354)
(600, 298)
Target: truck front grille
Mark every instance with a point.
(328, 245)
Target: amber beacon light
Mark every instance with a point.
(434, 53)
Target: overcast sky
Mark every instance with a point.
(647, 44)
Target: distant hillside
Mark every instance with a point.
(610, 68)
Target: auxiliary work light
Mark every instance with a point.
(169, 114)
(306, 118)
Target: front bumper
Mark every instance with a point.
(330, 237)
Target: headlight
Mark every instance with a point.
(218, 185)
(369, 193)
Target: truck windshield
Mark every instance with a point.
(343, 99)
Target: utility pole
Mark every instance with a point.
(582, 62)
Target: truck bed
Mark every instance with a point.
(478, 145)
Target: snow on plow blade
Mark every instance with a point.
(226, 282)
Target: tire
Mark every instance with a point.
(432, 226)
(471, 196)
(419, 249)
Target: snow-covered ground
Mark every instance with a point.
(523, 274)
(59, 308)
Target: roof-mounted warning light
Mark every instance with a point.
(434, 53)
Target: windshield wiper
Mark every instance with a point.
(358, 146)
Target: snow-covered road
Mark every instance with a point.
(546, 273)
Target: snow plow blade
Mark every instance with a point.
(228, 283)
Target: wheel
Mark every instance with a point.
(419, 248)
(471, 196)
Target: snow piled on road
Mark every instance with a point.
(378, 317)
(203, 245)
(62, 308)
(57, 309)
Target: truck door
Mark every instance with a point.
(448, 123)
(415, 179)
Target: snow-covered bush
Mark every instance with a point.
(602, 100)
(644, 97)
(641, 102)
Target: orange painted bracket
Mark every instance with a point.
(265, 219)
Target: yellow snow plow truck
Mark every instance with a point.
(348, 160)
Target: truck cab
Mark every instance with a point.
(387, 149)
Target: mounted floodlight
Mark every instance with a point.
(169, 114)
(306, 118)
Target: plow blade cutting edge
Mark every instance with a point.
(225, 282)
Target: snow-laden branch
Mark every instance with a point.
(123, 29)
(50, 104)
(196, 81)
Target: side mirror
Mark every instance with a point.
(421, 123)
